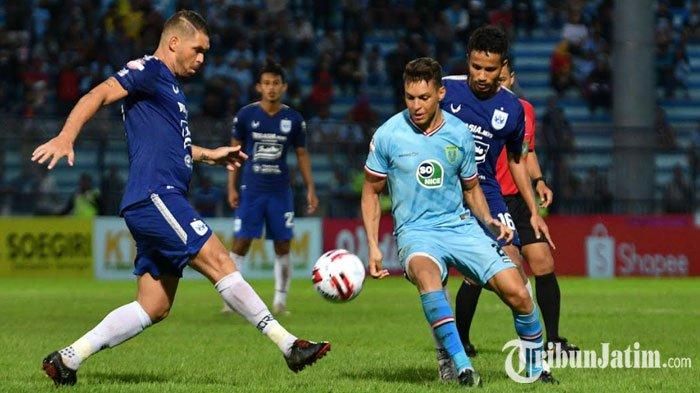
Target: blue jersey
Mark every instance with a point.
(494, 122)
(424, 171)
(266, 140)
(157, 133)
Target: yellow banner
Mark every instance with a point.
(45, 246)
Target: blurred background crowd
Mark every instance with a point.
(344, 61)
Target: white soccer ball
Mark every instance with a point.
(338, 275)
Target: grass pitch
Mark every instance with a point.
(381, 342)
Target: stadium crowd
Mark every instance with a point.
(54, 51)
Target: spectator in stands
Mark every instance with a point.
(373, 68)
(111, 188)
(561, 75)
(458, 19)
(502, 16)
(47, 202)
(681, 72)
(208, 199)
(524, 16)
(596, 192)
(574, 31)
(693, 24)
(86, 202)
(665, 135)
(555, 13)
(677, 193)
(556, 129)
(22, 189)
(598, 86)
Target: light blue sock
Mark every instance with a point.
(439, 315)
(529, 330)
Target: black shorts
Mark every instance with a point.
(521, 217)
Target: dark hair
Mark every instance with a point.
(508, 63)
(489, 39)
(183, 19)
(272, 67)
(423, 69)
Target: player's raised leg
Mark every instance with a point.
(215, 264)
(426, 273)
(154, 300)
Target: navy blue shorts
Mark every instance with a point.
(275, 209)
(499, 211)
(168, 233)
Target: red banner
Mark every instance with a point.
(620, 245)
(595, 246)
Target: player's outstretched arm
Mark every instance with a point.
(521, 177)
(475, 199)
(533, 169)
(230, 156)
(62, 145)
(304, 162)
(371, 214)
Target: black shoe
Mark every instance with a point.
(305, 353)
(469, 378)
(470, 349)
(564, 346)
(547, 377)
(56, 370)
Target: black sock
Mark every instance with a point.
(549, 300)
(465, 307)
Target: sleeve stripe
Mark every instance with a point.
(375, 173)
(471, 177)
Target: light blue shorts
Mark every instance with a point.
(465, 247)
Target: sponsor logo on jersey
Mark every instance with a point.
(199, 227)
(430, 174)
(254, 124)
(176, 89)
(371, 145)
(452, 153)
(263, 151)
(285, 125)
(499, 119)
(188, 161)
(480, 151)
(182, 109)
(455, 109)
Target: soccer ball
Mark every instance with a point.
(338, 275)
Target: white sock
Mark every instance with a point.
(241, 297)
(118, 326)
(529, 289)
(283, 277)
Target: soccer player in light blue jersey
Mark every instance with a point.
(169, 233)
(426, 159)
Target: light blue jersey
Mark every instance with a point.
(423, 172)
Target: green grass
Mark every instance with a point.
(381, 341)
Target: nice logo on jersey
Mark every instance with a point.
(430, 174)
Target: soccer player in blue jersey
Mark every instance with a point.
(267, 130)
(169, 234)
(495, 118)
(428, 163)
